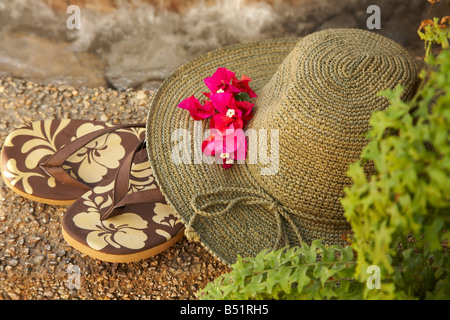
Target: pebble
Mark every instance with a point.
(34, 239)
(13, 296)
(51, 256)
(13, 262)
(38, 259)
(141, 95)
(45, 218)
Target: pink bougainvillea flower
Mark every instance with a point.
(207, 94)
(242, 86)
(223, 101)
(226, 147)
(223, 122)
(228, 106)
(246, 109)
(196, 109)
(220, 80)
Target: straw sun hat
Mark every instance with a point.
(315, 98)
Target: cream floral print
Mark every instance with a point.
(141, 177)
(124, 230)
(137, 131)
(97, 156)
(16, 175)
(41, 144)
(165, 215)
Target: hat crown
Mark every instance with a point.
(321, 99)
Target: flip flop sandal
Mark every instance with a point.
(123, 219)
(57, 161)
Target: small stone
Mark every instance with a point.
(45, 218)
(34, 239)
(38, 259)
(13, 262)
(48, 294)
(13, 296)
(51, 256)
(141, 95)
(154, 263)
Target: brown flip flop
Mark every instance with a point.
(57, 161)
(125, 218)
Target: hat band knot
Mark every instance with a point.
(201, 202)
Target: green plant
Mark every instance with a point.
(433, 31)
(407, 201)
(400, 215)
(315, 271)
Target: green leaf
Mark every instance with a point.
(300, 276)
(243, 96)
(285, 282)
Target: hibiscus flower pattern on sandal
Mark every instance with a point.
(94, 159)
(29, 146)
(138, 231)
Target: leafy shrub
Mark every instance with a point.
(400, 215)
(314, 271)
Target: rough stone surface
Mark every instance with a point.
(44, 60)
(139, 43)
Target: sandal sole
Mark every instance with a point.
(125, 258)
(35, 198)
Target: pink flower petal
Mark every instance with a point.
(223, 101)
(196, 109)
(220, 80)
(243, 86)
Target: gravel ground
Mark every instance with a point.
(35, 261)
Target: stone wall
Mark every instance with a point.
(125, 43)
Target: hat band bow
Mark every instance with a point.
(252, 197)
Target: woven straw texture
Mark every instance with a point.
(318, 93)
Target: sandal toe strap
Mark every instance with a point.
(121, 197)
(53, 165)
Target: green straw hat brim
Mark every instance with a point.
(247, 230)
